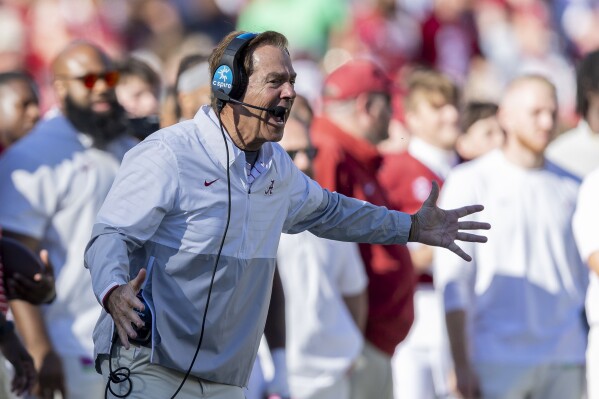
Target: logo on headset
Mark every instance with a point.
(223, 78)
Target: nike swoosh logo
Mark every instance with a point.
(207, 183)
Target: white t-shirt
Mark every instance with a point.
(52, 184)
(524, 290)
(586, 231)
(322, 338)
(576, 150)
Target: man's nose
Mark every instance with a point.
(288, 91)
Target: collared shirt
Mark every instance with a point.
(349, 165)
(167, 212)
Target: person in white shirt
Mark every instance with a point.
(577, 150)
(325, 294)
(585, 223)
(52, 183)
(515, 314)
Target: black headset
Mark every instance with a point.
(230, 78)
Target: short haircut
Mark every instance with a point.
(587, 81)
(268, 38)
(11, 76)
(474, 111)
(135, 67)
(429, 83)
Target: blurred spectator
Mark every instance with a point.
(421, 365)
(168, 108)
(138, 91)
(517, 38)
(449, 38)
(515, 313)
(480, 130)
(193, 86)
(577, 21)
(12, 39)
(19, 107)
(586, 220)
(51, 201)
(578, 149)
(307, 24)
(385, 33)
(325, 292)
(355, 118)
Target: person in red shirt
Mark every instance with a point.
(421, 365)
(355, 117)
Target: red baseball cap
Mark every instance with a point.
(356, 77)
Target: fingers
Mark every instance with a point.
(453, 247)
(470, 225)
(138, 281)
(433, 196)
(124, 335)
(467, 210)
(44, 257)
(122, 303)
(470, 237)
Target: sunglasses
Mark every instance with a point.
(310, 153)
(111, 78)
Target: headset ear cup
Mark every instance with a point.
(233, 59)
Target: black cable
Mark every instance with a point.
(122, 374)
(222, 243)
(117, 376)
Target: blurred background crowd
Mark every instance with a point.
(482, 44)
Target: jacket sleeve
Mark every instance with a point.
(337, 217)
(131, 213)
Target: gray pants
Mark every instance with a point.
(154, 381)
(549, 381)
(371, 377)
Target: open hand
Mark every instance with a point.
(120, 305)
(432, 225)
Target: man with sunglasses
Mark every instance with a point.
(52, 183)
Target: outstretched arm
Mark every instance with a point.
(432, 225)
